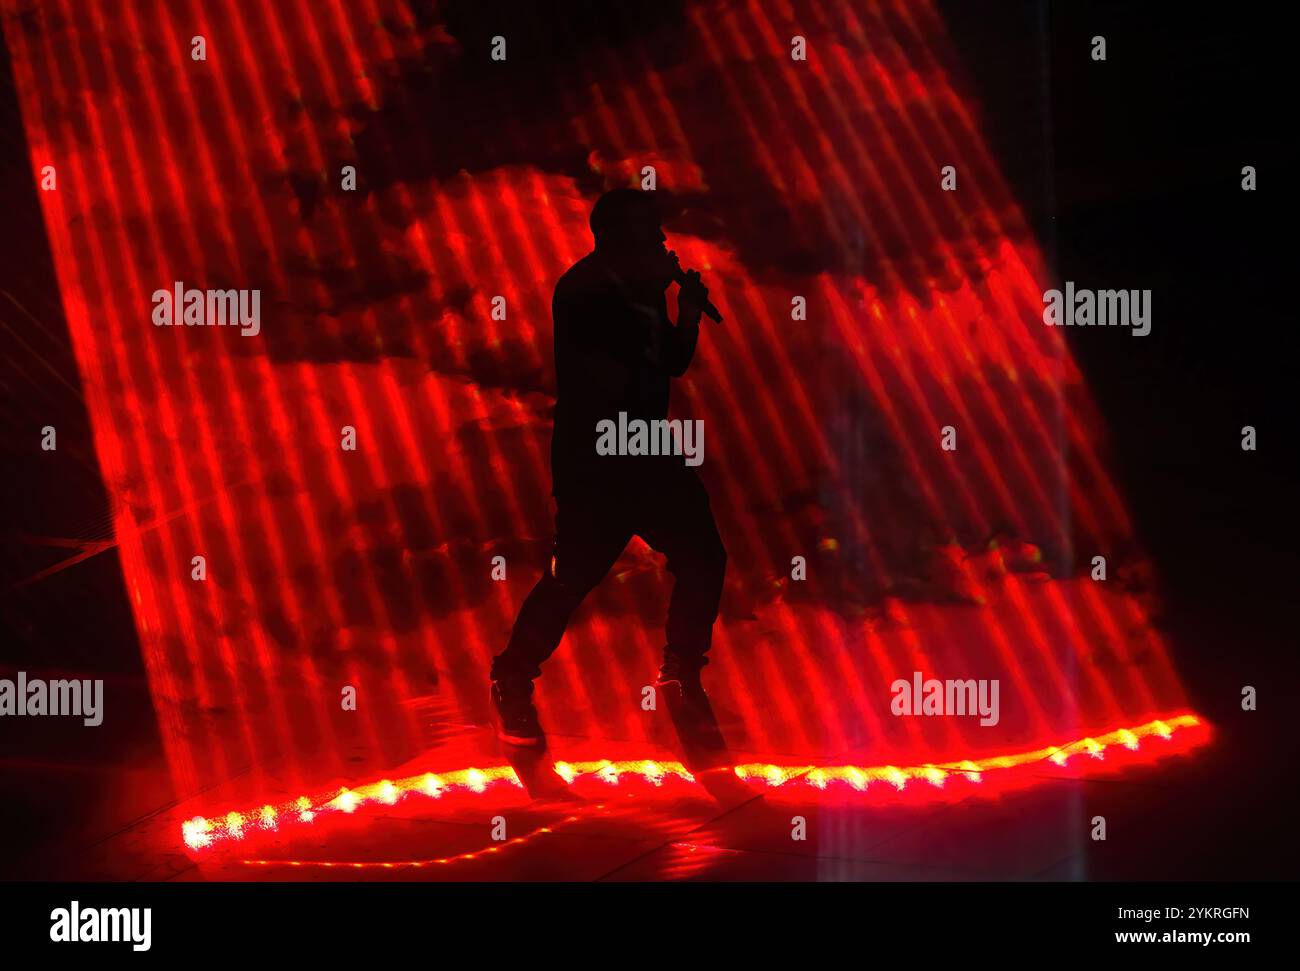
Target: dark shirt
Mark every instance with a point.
(615, 351)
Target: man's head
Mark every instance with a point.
(625, 223)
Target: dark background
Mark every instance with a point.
(1129, 171)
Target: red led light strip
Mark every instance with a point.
(862, 117)
(201, 833)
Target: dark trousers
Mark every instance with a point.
(666, 505)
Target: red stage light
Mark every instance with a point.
(370, 569)
(201, 833)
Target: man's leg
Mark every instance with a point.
(677, 520)
(590, 534)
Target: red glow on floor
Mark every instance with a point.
(1155, 739)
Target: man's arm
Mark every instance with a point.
(686, 334)
(680, 346)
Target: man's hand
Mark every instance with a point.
(691, 299)
(663, 268)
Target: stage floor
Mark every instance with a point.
(1038, 829)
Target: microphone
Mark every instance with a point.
(683, 280)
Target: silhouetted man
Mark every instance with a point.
(616, 351)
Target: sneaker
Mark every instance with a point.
(517, 722)
(692, 715)
(683, 680)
